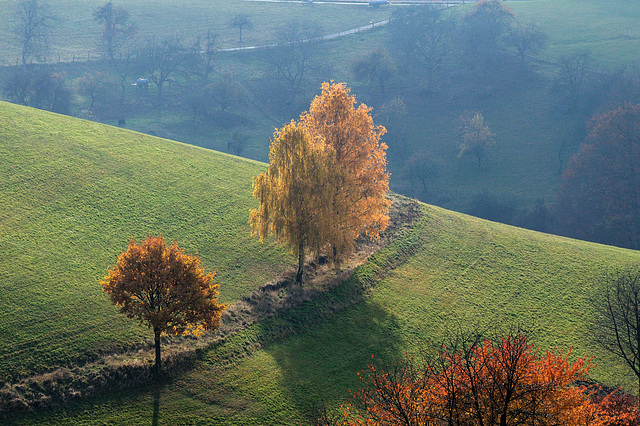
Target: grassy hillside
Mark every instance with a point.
(74, 32)
(458, 271)
(608, 29)
(521, 170)
(72, 194)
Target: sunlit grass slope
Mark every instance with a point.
(459, 272)
(72, 193)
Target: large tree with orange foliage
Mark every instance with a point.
(327, 181)
(165, 289)
(503, 382)
(357, 157)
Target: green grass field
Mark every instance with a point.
(458, 271)
(76, 33)
(608, 29)
(73, 193)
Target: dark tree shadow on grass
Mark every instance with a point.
(156, 406)
(320, 365)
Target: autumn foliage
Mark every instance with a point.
(357, 159)
(474, 136)
(165, 289)
(327, 181)
(506, 382)
(600, 190)
(293, 200)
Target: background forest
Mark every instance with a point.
(534, 84)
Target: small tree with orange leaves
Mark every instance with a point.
(165, 289)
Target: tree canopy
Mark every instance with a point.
(116, 26)
(293, 199)
(474, 135)
(327, 181)
(240, 21)
(616, 327)
(165, 289)
(600, 188)
(32, 28)
(358, 162)
(487, 382)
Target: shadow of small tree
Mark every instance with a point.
(156, 406)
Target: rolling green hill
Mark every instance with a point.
(608, 29)
(458, 271)
(74, 191)
(74, 31)
(522, 171)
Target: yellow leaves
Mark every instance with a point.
(359, 181)
(327, 180)
(474, 135)
(290, 192)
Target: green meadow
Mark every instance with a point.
(608, 29)
(76, 33)
(454, 271)
(73, 193)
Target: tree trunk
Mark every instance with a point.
(300, 263)
(158, 361)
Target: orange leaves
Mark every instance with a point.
(505, 382)
(327, 181)
(359, 187)
(619, 409)
(598, 199)
(164, 288)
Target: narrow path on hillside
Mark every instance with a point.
(372, 25)
(324, 37)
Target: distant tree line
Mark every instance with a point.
(139, 74)
(461, 59)
(432, 55)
